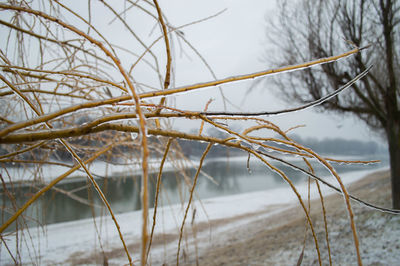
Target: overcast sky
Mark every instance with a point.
(234, 43)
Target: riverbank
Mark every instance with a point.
(277, 239)
(265, 227)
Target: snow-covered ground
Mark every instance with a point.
(57, 243)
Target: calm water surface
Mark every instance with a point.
(123, 193)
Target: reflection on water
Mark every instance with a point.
(123, 193)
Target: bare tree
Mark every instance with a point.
(309, 29)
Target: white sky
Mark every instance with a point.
(234, 43)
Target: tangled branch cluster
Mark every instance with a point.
(66, 86)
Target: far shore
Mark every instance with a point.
(21, 175)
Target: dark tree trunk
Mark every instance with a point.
(393, 134)
(393, 113)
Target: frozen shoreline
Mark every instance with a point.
(59, 242)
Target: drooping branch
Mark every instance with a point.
(183, 89)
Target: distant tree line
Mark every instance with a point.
(341, 146)
(196, 149)
(334, 146)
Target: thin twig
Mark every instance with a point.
(303, 107)
(48, 187)
(190, 198)
(160, 171)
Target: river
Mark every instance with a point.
(220, 177)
